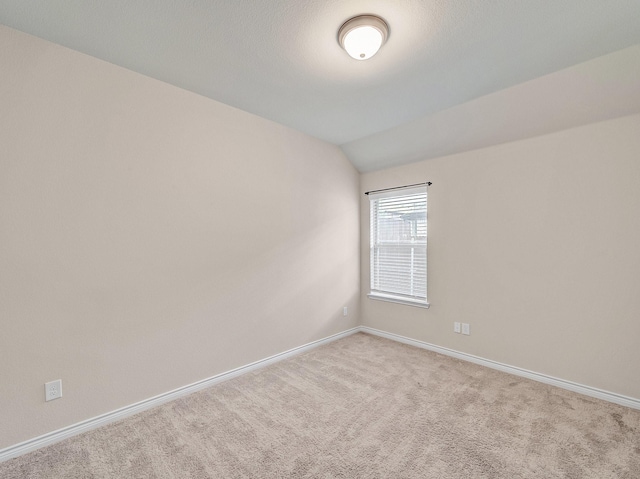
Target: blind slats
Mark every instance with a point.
(399, 244)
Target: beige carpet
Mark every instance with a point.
(360, 407)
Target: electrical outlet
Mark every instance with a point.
(344, 311)
(456, 327)
(465, 329)
(53, 390)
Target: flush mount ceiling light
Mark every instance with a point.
(362, 36)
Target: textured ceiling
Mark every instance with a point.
(444, 61)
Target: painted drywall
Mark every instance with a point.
(535, 245)
(151, 237)
(597, 90)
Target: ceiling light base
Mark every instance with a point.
(362, 36)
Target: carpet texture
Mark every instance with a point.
(360, 407)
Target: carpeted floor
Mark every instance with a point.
(360, 407)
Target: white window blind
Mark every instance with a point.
(399, 245)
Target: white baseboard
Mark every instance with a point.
(543, 378)
(93, 423)
(75, 429)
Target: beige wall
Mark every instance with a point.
(535, 244)
(151, 238)
(127, 271)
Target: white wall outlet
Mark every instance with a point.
(344, 311)
(456, 327)
(465, 329)
(53, 390)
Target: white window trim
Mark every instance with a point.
(398, 299)
(390, 297)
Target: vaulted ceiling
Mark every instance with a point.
(454, 75)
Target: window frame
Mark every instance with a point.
(376, 244)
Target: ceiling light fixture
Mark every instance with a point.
(362, 36)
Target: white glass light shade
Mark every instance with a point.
(363, 36)
(362, 42)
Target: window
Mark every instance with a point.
(399, 245)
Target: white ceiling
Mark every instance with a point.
(454, 75)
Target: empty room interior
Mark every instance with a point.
(235, 242)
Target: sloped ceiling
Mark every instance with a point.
(453, 75)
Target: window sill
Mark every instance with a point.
(399, 300)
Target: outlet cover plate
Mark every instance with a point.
(456, 327)
(53, 390)
(465, 329)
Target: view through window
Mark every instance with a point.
(399, 245)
